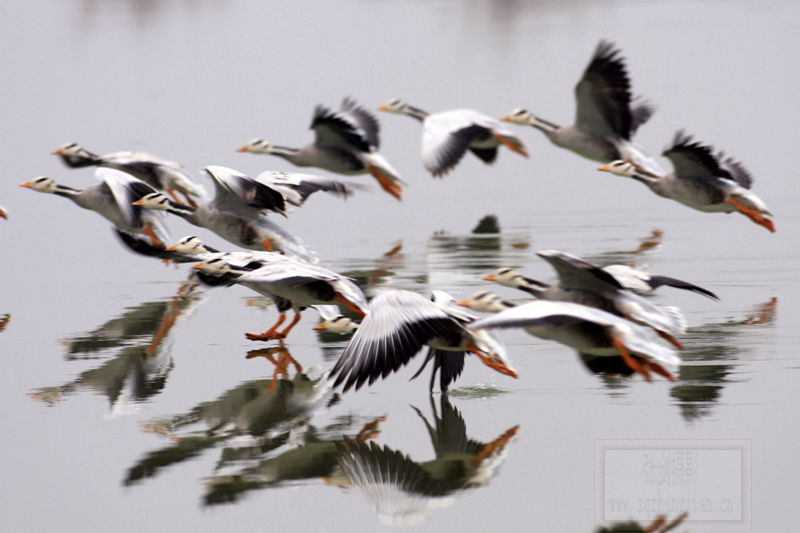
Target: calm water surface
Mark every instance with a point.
(132, 398)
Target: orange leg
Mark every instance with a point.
(658, 369)
(153, 239)
(675, 523)
(510, 145)
(171, 192)
(395, 250)
(370, 430)
(630, 360)
(496, 444)
(657, 523)
(753, 215)
(282, 334)
(269, 334)
(386, 183)
(494, 364)
(189, 200)
(267, 245)
(669, 338)
(349, 305)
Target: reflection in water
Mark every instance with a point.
(708, 360)
(404, 491)
(140, 369)
(630, 258)
(660, 524)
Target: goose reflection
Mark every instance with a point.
(140, 367)
(247, 421)
(709, 357)
(404, 491)
(660, 524)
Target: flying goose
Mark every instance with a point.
(584, 283)
(346, 142)
(112, 199)
(629, 278)
(157, 172)
(606, 115)
(398, 324)
(589, 331)
(701, 179)
(486, 302)
(290, 283)
(446, 136)
(237, 211)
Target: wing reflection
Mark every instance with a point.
(140, 368)
(709, 357)
(404, 491)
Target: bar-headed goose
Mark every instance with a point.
(446, 136)
(584, 283)
(485, 302)
(346, 142)
(606, 116)
(112, 199)
(157, 172)
(630, 278)
(701, 179)
(290, 283)
(237, 211)
(589, 331)
(398, 324)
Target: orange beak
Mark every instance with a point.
(26, 184)
(383, 108)
(57, 151)
(172, 248)
(489, 277)
(604, 168)
(198, 266)
(320, 327)
(463, 303)
(243, 149)
(506, 118)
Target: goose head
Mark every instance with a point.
(520, 116)
(505, 276)
(621, 167)
(73, 150)
(256, 146)
(484, 302)
(154, 200)
(41, 184)
(337, 324)
(189, 245)
(216, 266)
(395, 106)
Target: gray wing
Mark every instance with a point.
(575, 273)
(334, 129)
(363, 119)
(239, 193)
(125, 189)
(736, 170)
(603, 95)
(641, 111)
(442, 150)
(691, 159)
(397, 325)
(296, 188)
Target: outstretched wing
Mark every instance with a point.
(397, 325)
(334, 129)
(237, 192)
(691, 159)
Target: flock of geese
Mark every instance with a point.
(598, 312)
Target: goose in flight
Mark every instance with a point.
(446, 136)
(701, 179)
(584, 283)
(290, 283)
(112, 199)
(346, 141)
(630, 278)
(237, 211)
(589, 331)
(157, 172)
(606, 115)
(398, 324)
